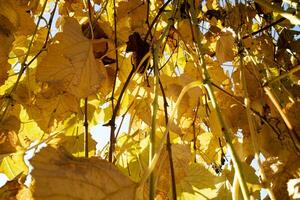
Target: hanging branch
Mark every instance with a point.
(86, 127)
(293, 18)
(264, 28)
(292, 133)
(156, 18)
(169, 144)
(24, 65)
(115, 109)
(112, 121)
(117, 55)
(155, 51)
(252, 128)
(194, 130)
(225, 128)
(86, 124)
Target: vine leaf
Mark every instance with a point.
(224, 47)
(70, 63)
(198, 184)
(59, 175)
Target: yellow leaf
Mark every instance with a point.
(215, 125)
(199, 184)
(131, 13)
(13, 165)
(71, 64)
(29, 130)
(73, 139)
(209, 147)
(225, 47)
(57, 174)
(181, 155)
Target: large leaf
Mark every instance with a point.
(198, 184)
(70, 64)
(58, 175)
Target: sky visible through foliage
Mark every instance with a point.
(149, 99)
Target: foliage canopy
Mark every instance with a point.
(209, 86)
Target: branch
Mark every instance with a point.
(112, 122)
(225, 128)
(253, 133)
(117, 55)
(293, 18)
(169, 145)
(278, 78)
(86, 132)
(24, 65)
(264, 28)
(156, 18)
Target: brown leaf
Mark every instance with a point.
(58, 175)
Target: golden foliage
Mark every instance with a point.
(66, 66)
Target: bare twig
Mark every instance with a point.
(86, 127)
(169, 145)
(293, 18)
(156, 18)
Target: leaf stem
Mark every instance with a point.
(292, 132)
(293, 18)
(252, 128)
(161, 9)
(153, 121)
(169, 144)
(117, 55)
(225, 128)
(86, 126)
(282, 76)
(24, 65)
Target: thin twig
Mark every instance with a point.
(252, 128)
(24, 65)
(117, 55)
(290, 16)
(264, 28)
(169, 145)
(224, 126)
(194, 131)
(115, 109)
(86, 126)
(156, 18)
(282, 76)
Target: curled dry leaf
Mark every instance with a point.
(58, 175)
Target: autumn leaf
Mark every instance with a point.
(57, 174)
(70, 65)
(199, 183)
(65, 66)
(225, 47)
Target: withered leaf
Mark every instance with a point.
(139, 48)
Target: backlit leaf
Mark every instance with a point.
(57, 174)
